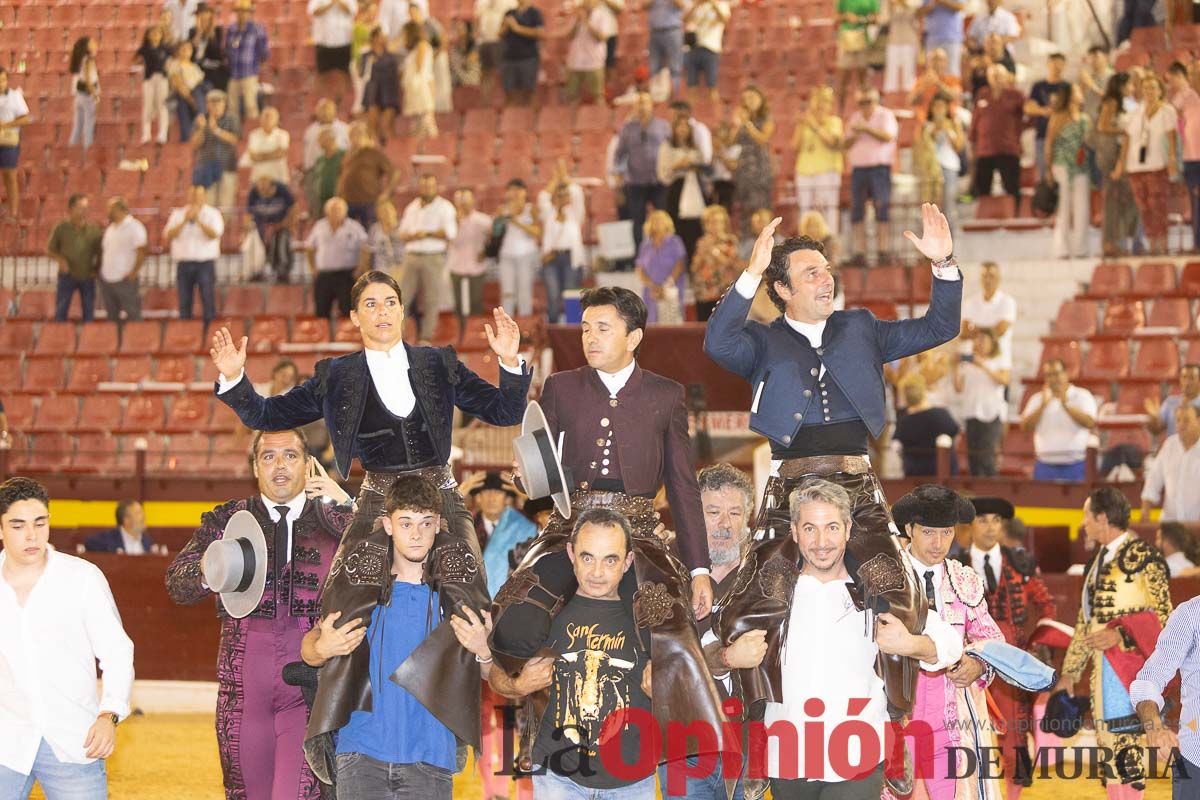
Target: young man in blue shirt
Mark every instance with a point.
(400, 748)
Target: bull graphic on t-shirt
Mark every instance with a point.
(592, 684)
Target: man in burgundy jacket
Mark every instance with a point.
(625, 435)
(996, 134)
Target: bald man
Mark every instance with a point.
(337, 248)
(123, 251)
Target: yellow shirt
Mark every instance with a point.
(813, 156)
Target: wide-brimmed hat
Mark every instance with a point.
(993, 505)
(540, 461)
(235, 566)
(934, 506)
(492, 480)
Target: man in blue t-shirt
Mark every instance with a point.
(272, 207)
(399, 748)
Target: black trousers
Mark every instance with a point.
(334, 284)
(983, 437)
(1010, 175)
(866, 788)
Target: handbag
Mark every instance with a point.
(1045, 198)
(689, 39)
(494, 242)
(851, 40)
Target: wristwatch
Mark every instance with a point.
(111, 717)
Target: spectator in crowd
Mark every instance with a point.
(392, 16)
(996, 135)
(682, 109)
(285, 376)
(193, 235)
(562, 252)
(679, 169)
(208, 48)
(267, 149)
(1061, 418)
(435, 34)
(489, 26)
(853, 18)
(1175, 470)
(935, 80)
(1160, 417)
(817, 140)
(187, 87)
(943, 24)
(664, 18)
(75, 245)
(123, 251)
(337, 247)
(903, 40)
(919, 429)
(520, 248)
(1179, 547)
(418, 80)
(1094, 77)
(943, 137)
(1135, 14)
(366, 176)
(1066, 154)
(153, 56)
(464, 55)
(14, 114)
(464, 256)
(215, 142)
(1015, 534)
(247, 49)
(1186, 102)
(1039, 107)
(85, 80)
(871, 149)
(613, 8)
(1149, 155)
(724, 164)
(1120, 218)
(386, 241)
(428, 224)
(180, 16)
(326, 119)
(814, 225)
(706, 20)
(332, 28)
(321, 182)
(129, 537)
(998, 20)
(360, 51)
(381, 89)
(588, 51)
(715, 264)
(523, 29)
(272, 209)
(980, 378)
(562, 177)
(992, 309)
(662, 269)
(993, 52)
(637, 158)
(754, 127)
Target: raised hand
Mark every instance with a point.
(505, 341)
(935, 243)
(229, 359)
(760, 258)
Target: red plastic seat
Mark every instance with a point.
(19, 409)
(154, 444)
(97, 339)
(1017, 455)
(922, 284)
(1106, 360)
(267, 333)
(143, 336)
(55, 339)
(1157, 360)
(57, 412)
(1111, 280)
(175, 369)
(1132, 397)
(1076, 320)
(87, 372)
(344, 331)
(1189, 280)
(36, 304)
(853, 282)
(183, 336)
(1155, 279)
(1171, 312)
(99, 452)
(886, 283)
(100, 412)
(131, 368)
(1138, 437)
(16, 336)
(1123, 317)
(159, 300)
(310, 330)
(287, 298)
(243, 301)
(996, 207)
(882, 309)
(190, 411)
(44, 374)
(144, 412)
(48, 452)
(187, 452)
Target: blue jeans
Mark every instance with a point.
(363, 214)
(666, 50)
(190, 275)
(559, 275)
(187, 117)
(551, 786)
(1136, 14)
(83, 126)
(58, 780)
(1191, 176)
(874, 183)
(1059, 472)
(709, 787)
(366, 778)
(67, 286)
(702, 61)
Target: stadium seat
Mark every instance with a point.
(101, 412)
(175, 369)
(1106, 360)
(16, 336)
(882, 309)
(1155, 279)
(853, 281)
(1123, 317)
(97, 339)
(1110, 280)
(144, 336)
(267, 333)
(922, 284)
(1157, 360)
(97, 452)
(57, 412)
(309, 330)
(87, 372)
(243, 301)
(1076, 320)
(1137, 437)
(49, 451)
(10, 368)
(143, 412)
(344, 331)
(995, 207)
(183, 336)
(160, 301)
(55, 339)
(190, 411)
(288, 298)
(36, 304)
(886, 283)
(1132, 397)
(187, 452)
(19, 408)
(1189, 280)
(1017, 455)
(1171, 312)
(131, 368)
(44, 374)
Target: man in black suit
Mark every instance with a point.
(129, 537)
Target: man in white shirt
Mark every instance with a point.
(562, 252)
(706, 19)
(428, 224)
(1061, 418)
(193, 234)
(337, 247)
(57, 619)
(128, 538)
(992, 309)
(332, 27)
(123, 251)
(1176, 469)
(998, 20)
(807, 571)
(326, 120)
(14, 114)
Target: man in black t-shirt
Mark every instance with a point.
(522, 29)
(601, 667)
(1040, 104)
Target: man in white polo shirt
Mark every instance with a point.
(332, 24)
(337, 248)
(992, 309)
(194, 235)
(1061, 418)
(428, 224)
(123, 251)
